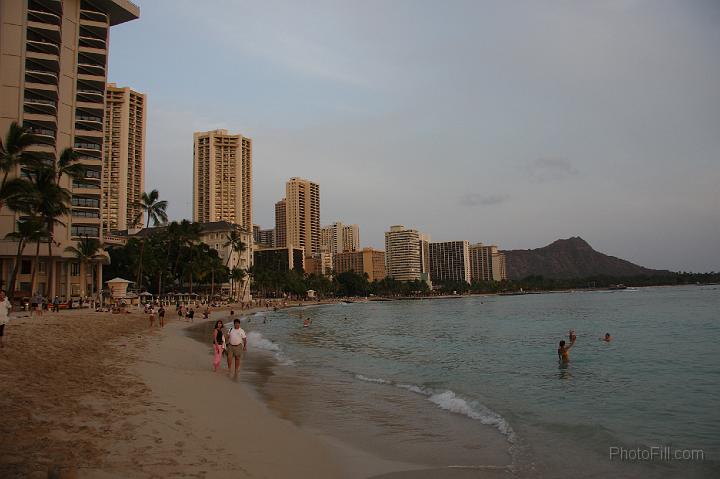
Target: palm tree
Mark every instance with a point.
(154, 208)
(186, 234)
(13, 153)
(236, 244)
(28, 230)
(67, 164)
(236, 274)
(48, 201)
(88, 250)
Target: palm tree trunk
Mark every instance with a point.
(140, 262)
(36, 260)
(93, 271)
(50, 268)
(16, 268)
(83, 279)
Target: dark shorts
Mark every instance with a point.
(2, 329)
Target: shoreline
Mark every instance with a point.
(153, 408)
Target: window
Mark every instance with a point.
(82, 230)
(26, 267)
(86, 213)
(42, 266)
(85, 201)
(74, 269)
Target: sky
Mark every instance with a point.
(509, 123)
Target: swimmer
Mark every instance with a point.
(564, 351)
(306, 323)
(607, 338)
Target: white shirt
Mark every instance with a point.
(5, 308)
(237, 336)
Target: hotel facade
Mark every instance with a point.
(53, 73)
(302, 199)
(338, 238)
(222, 178)
(369, 261)
(486, 263)
(450, 261)
(407, 254)
(124, 158)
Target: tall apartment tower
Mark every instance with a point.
(303, 215)
(339, 238)
(407, 254)
(53, 64)
(222, 178)
(124, 159)
(450, 261)
(280, 240)
(487, 263)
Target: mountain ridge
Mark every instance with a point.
(571, 258)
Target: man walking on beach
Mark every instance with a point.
(5, 308)
(238, 344)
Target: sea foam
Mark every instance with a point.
(449, 401)
(257, 341)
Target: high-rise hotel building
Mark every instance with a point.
(280, 238)
(124, 158)
(338, 238)
(222, 178)
(486, 263)
(450, 261)
(407, 254)
(302, 199)
(53, 71)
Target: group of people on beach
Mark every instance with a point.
(564, 348)
(233, 342)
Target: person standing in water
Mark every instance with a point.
(607, 338)
(564, 351)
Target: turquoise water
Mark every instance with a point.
(484, 370)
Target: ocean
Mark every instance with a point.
(474, 382)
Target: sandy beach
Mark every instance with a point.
(103, 395)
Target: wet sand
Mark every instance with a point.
(90, 394)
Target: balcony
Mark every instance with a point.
(40, 105)
(89, 149)
(90, 69)
(39, 46)
(93, 16)
(42, 16)
(42, 135)
(91, 96)
(92, 42)
(39, 76)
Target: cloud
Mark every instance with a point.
(552, 169)
(477, 199)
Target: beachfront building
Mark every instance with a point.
(266, 238)
(486, 263)
(337, 238)
(123, 179)
(53, 59)
(280, 238)
(302, 199)
(369, 261)
(279, 259)
(450, 261)
(222, 178)
(407, 254)
(320, 263)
